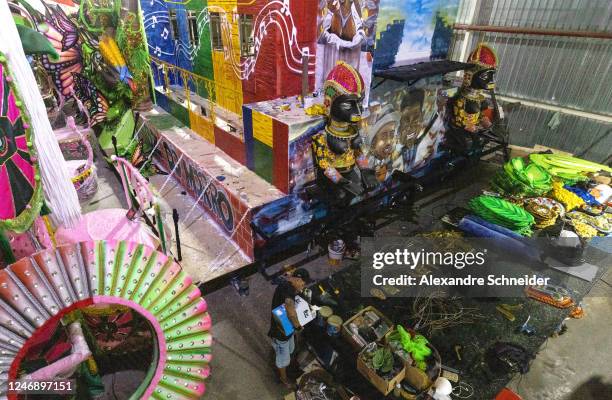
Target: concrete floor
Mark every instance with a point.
(574, 366)
(203, 259)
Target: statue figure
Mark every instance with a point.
(469, 107)
(341, 164)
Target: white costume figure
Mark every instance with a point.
(341, 38)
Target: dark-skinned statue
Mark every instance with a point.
(469, 107)
(342, 166)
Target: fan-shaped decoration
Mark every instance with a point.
(20, 190)
(518, 178)
(43, 288)
(504, 213)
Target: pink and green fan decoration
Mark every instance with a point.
(50, 285)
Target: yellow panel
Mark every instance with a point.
(202, 126)
(228, 85)
(262, 128)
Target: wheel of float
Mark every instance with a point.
(45, 287)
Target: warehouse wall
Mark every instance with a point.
(563, 81)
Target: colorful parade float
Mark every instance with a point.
(285, 118)
(281, 119)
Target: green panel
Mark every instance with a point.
(179, 112)
(164, 121)
(262, 155)
(203, 64)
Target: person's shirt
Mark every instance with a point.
(284, 291)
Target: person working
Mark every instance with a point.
(283, 344)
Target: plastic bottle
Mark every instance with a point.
(397, 391)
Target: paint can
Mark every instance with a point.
(334, 324)
(324, 313)
(335, 252)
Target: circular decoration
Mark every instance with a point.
(225, 211)
(21, 194)
(40, 290)
(544, 210)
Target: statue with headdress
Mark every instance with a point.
(340, 162)
(469, 111)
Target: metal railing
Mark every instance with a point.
(193, 83)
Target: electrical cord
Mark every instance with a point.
(463, 390)
(113, 386)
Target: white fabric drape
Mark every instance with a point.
(60, 194)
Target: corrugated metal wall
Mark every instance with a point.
(573, 73)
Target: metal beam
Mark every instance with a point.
(533, 31)
(556, 108)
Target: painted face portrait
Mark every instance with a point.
(410, 124)
(383, 142)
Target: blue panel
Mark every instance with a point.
(247, 117)
(162, 44)
(181, 43)
(158, 30)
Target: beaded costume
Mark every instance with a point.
(468, 109)
(337, 148)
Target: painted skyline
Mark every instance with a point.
(419, 25)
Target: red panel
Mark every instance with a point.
(280, 156)
(230, 145)
(272, 79)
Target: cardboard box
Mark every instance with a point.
(348, 335)
(417, 378)
(520, 151)
(539, 147)
(384, 386)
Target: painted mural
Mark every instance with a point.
(102, 72)
(406, 126)
(234, 43)
(234, 71)
(184, 48)
(404, 131)
(301, 162)
(412, 31)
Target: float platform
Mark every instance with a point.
(201, 177)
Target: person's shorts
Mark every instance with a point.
(283, 351)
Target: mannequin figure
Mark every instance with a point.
(468, 107)
(340, 162)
